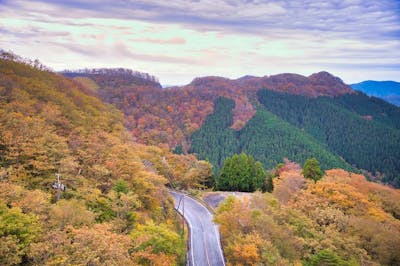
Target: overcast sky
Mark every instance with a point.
(178, 40)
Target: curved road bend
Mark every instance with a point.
(205, 248)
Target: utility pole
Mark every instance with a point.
(167, 174)
(58, 186)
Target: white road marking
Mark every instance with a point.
(215, 228)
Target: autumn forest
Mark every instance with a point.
(317, 162)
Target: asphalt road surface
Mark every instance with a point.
(204, 243)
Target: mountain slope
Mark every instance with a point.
(270, 139)
(387, 90)
(266, 137)
(340, 220)
(369, 143)
(51, 124)
(370, 108)
(171, 115)
(215, 140)
(363, 131)
(175, 117)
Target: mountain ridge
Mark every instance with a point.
(198, 96)
(116, 208)
(387, 90)
(314, 85)
(170, 117)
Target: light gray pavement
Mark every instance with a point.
(204, 243)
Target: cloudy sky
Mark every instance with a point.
(178, 40)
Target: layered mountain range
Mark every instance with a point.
(271, 117)
(110, 204)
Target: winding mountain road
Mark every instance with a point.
(205, 248)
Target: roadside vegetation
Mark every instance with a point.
(113, 208)
(341, 219)
(77, 189)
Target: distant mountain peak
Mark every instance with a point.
(246, 77)
(335, 85)
(318, 84)
(326, 76)
(387, 90)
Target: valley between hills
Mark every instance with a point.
(314, 162)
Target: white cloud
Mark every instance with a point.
(178, 40)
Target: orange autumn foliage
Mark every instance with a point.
(343, 212)
(170, 115)
(51, 124)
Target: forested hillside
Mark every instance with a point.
(370, 108)
(297, 117)
(266, 137)
(216, 141)
(170, 116)
(115, 209)
(270, 139)
(340, 220)
(349, 131)
(364, 133)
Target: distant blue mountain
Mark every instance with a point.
(386, 90)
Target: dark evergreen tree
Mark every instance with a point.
(121, 186)
(312, 170)
(326, 257)
(241, 173)
(178, 149)
(268, 184)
